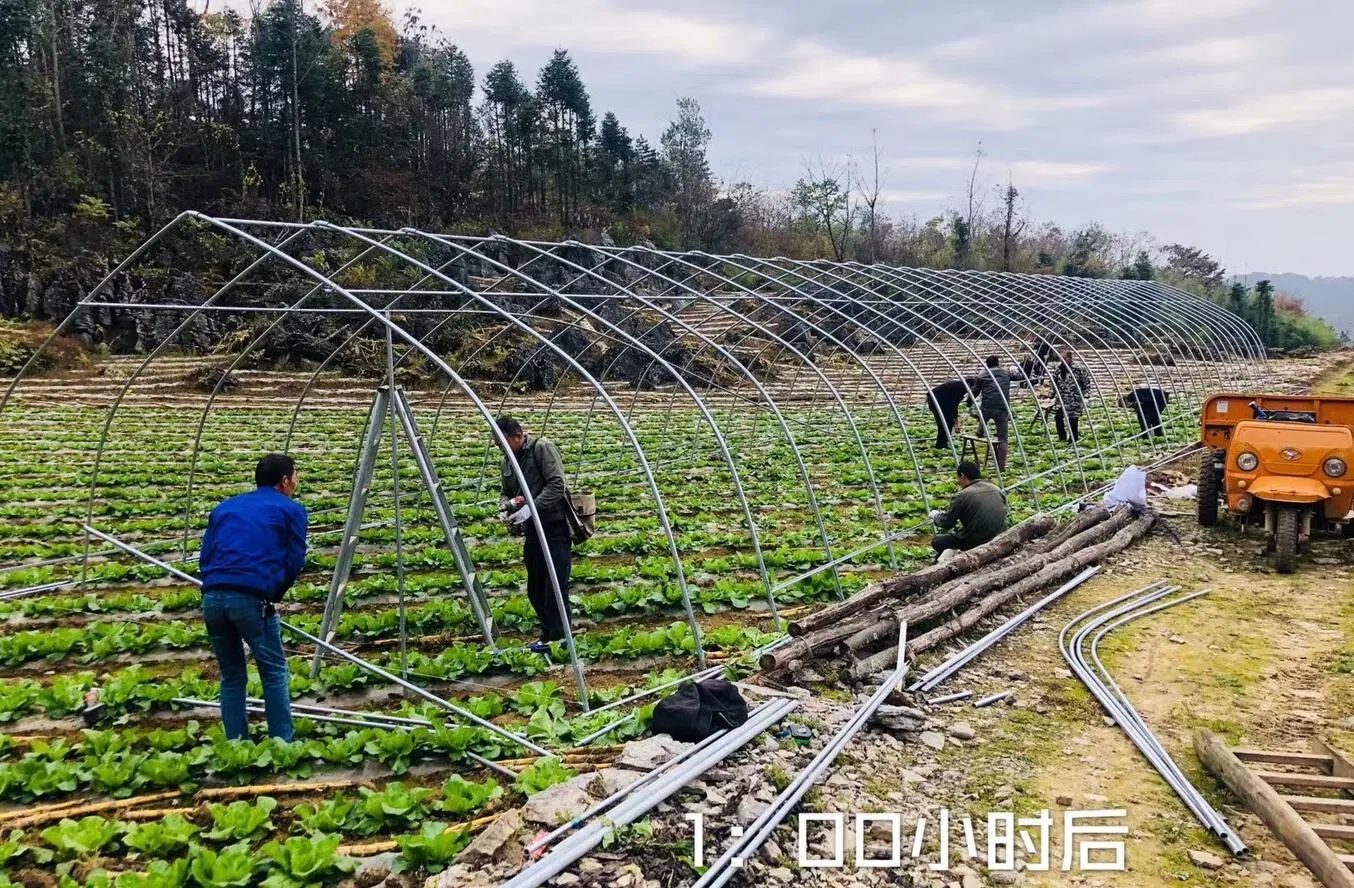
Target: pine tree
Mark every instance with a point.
(684, 150)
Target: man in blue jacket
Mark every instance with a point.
(254, 549)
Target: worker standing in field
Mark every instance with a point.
(995, 407)
(979, 510)
(252, 553)
(541, 466)
(1073, 384)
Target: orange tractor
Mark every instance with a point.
(1284, 460)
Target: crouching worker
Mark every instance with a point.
(541, 467)
(252, 552)
(979, 510)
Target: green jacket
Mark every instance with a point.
(979, 509)
(544, 471)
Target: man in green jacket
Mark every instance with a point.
(540, 465)
(979, 508)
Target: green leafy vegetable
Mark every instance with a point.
(240, 820)
(83, 837)
(542, 775)
(431, 848)
(305, 862)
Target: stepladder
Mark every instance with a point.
(394, 401)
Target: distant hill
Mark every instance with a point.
(1329, 297)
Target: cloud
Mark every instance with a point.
(930, 162)
(602, 26)
(816, 71)
(1332, 185)
(1268, 111)
(893, 197)
(1073, 27)
(1052, 172)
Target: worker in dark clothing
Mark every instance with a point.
(1035, 370)
(995, 406)
(979, 508)
(944, 401)
(541, 466)
(1071, 385)
(1148, 404)
(252, 552)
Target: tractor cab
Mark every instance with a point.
(1281, 460)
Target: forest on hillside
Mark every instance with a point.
(116, 115)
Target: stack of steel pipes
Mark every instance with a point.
(655, 790)
(1085, 661)
(731, 861)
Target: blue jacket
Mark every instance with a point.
(255, 541)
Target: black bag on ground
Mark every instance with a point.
(695, 711)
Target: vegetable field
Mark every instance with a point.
(754, 431)
(130, 630)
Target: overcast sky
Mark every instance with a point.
(1222, 123)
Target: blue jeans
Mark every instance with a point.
(235, 619)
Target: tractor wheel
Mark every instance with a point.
(1286, 539)
(1209, 492)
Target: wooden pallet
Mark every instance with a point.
(1322, 786)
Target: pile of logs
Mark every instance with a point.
(943, 601)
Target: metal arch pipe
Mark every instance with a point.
(1158, 335)
(771, 401)
(220, 382)
(1179, 337)
(824, 306)
(1054, 314)
(1015, 426)
(1171, 335)
(97, 289)
(1086, 331)
(1111, 309)
(737, 262)
(655, 359)
(1176, 314)
(432, 356)
(899, 282)
(629, 432)
(660, 271)
(1038, 322)
(1227, 326)
(927, 281)
(637, 390)
(768, 397)
(154, 353)
(976, 286)
(873, 275)
(806, 360)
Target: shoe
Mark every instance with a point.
(539, 647)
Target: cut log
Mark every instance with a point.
(1078, 557)
(1050, 575)
(1084, 521)
(1270, 807)
(879, 623)
(872, 596)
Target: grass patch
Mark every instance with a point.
(776, 774)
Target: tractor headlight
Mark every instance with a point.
(1247, 462)
(1335, 467)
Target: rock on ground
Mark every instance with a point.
(560, 803)
(649, 753)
